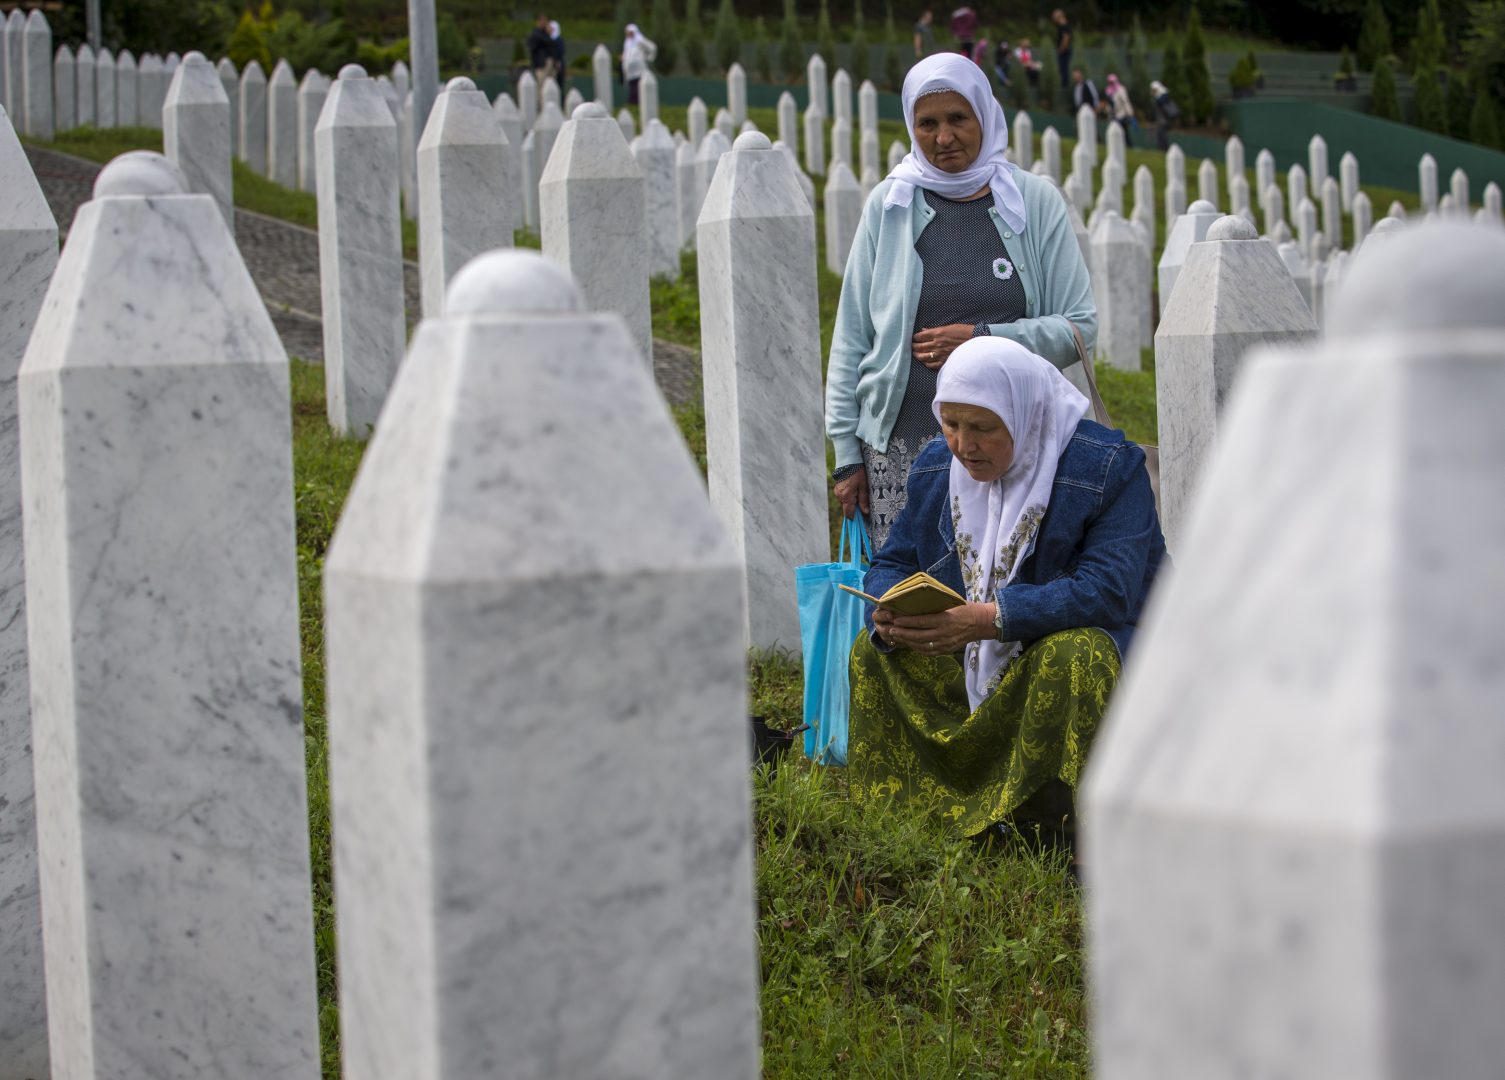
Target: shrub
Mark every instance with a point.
(246, 44)
(1241, 77)
(893, 66)
(661, 32)
(1050, 76)
(1374, 35)
(791, 52)
(728, 40)
(764, 52)
(1198, 77)
(1383, 102)
(1430, 108)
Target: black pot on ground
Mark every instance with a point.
(769, 742)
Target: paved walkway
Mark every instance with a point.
(284, 262)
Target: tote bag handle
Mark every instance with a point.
(854, 535)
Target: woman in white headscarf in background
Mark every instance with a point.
(637, 53)
(956, 243)
(1044, 520)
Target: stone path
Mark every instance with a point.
(283, 259)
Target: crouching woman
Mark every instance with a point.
(1045, 522)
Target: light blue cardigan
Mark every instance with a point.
(869, 366)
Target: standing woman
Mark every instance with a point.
(637, 53)
(1121, 108)
(956, 243)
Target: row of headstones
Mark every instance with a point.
(487, 910)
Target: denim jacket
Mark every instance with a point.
(1096, 554)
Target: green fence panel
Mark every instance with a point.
(1388, 152)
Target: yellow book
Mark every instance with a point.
(918, 594)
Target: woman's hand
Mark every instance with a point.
(931, 347)
(852, 493)
(936, 635)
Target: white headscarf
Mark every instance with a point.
(952, 71)
(996, 523)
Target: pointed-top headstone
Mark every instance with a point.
(196, 132)
(253, 117)
(736, 93)
(601, 73)
(655, 153)
(815, 81)
(282, 126)
(36, 76)
(592, 210)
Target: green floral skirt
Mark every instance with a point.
(913, 739)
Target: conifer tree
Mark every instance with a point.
(791, 51)
(695, 60)
(1050, 78)
(728, 40)
(1173, 74)
(764, 53)
(857, 53)
(1430, 109)
(1484, 123)
(825, 40)
(1383, 102)
(1139, 68)
(1430, 46)
(1374, 35)
(893, 59)
(661, 31)
(1460, 107)
(1199, 100)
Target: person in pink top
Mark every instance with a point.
(964, 28)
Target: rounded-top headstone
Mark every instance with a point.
(1201, 206)
(140, 172)
(589, 110)
(352, 71)
(194, 54)
(512, 282)
(1387, 225)
(460, 82)
(752, 140)
(1232, 227)
(1377, 300)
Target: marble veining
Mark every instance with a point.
(253, 117)
(360, 251)
(28, 254)
(162, 612)
(527, 886)
(760, 350)
(196, 132)
(464, 201)
(592, 214)
(1311, 714)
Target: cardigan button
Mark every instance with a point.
(1008, 235)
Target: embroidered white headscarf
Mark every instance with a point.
(952, 71)
(996, 523)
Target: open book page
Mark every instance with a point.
(918, 594)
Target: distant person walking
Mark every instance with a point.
(1002, 58)
(1121, 108)
(1083, 92)
(637, 53)
(541, 48)
(1167, 112)
(964, 28)
(1025, 54)
(924, 35)
(556, 48)
(1065, 42)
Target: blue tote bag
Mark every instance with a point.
(830, 621)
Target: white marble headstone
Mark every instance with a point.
(312, 92)
(196, 132)
(867, 107)
(1264, 171)
(465, 203)
(253, 117)
(706, 160)
(655, 153)
(647, 98)
(760, 342)
(104, 90)
(1363, 218)
(1121, 287)
(841, 97)
(1348, 173)
(1309, 886)
(527, 99)
(1050, 153)
(1022, 147)
(1175, 165)
(843, 205)
(697, 119)
(1086, 134)
(896, 153)
(28, 254)
(736, 93)
(64, 90)
(162, 612)
(1332, 213)
(128, 90)
(1426, 172)
(815, 81)
(1233, 294)
(601, 76)
(230, 79)
(360, 250)
(527, 885)
(1458, 188)
(85, 69)
(593, 217)
(36, 76)
(815, 141)
(1207, 182)
(1316, 159)
(789, 119)
(1187, 229)
(686, 192)
(572, 101)
(282, 126)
